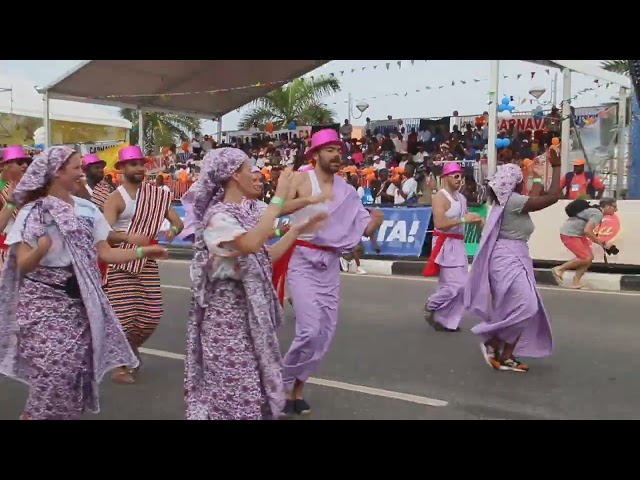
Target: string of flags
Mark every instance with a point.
(340, 73)
(519, 100)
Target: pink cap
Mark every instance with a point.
(323, 138)
(305, 168)
(451, 168)
(90, 159)
(130, 154)
(13, 152)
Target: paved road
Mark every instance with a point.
(386, 364)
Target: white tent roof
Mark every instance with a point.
(197, 88)
(586, 68)
(26, 101)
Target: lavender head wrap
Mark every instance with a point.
(217, 168)
(504, 182)
(42, 169)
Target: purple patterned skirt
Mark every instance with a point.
(54, 342)
(228, 386)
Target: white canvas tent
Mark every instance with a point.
(21, 98)
(566, 66)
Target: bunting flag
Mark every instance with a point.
(517, 99)
(340, 73)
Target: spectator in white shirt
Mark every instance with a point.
(407, 189)
(425, 135)
(378, 164)
(346, 130)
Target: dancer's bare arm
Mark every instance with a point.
(6, 214)
(281, 246)
(114, 256)
(176, 224)
(535, 204)
(439, 206)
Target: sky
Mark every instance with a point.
(399, 91)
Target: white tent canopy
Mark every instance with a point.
(197, 88)
(23, 99)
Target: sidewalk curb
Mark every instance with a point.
(594, 281)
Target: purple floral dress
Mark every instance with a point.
(233, 367)
(60, 342)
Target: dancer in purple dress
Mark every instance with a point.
(58, 333)
(502, 287)
(448, 260)
(233, 366)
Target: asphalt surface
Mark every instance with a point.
(385, 363)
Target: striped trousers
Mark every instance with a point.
(136, 301)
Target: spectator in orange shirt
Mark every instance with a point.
(579, 182)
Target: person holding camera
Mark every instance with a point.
(578, 232)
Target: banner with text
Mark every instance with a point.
(402, 233)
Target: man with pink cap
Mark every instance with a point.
(14, 163)
(444, 309)
(312, 266)
(99, 189)
(136, 211)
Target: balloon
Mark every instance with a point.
(499, 143)
(510, 108)
(505, 115)
(505, 100)
(185, 146)
(506, 142)
(501, 108)
(268, 127)
(292, 126)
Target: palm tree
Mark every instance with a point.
(161, 129)
(298, 101)
(617, 66)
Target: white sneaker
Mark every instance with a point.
(344, 266)
(352, 266)
(360, 271)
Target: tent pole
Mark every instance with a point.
(565, 143)
(494, 83)
(45, 120)
(141, 129)
(622, 142)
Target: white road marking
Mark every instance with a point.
(377, 392)
(433, 280)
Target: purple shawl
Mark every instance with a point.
(109, 344)
(477, 293)
(264, 311)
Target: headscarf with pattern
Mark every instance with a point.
(504, 182)
(42, 169)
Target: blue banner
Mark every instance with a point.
(402, 233)
(180, 211)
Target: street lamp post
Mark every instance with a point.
(361, 106)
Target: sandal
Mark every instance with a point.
(123, 376)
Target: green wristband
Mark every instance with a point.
(139, 252)
(463, 220)
(174, 229)
(278, 232)
(537, 180)
(278, 201)
(10, 205)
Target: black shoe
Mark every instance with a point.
(289, 409)
(301, 407)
